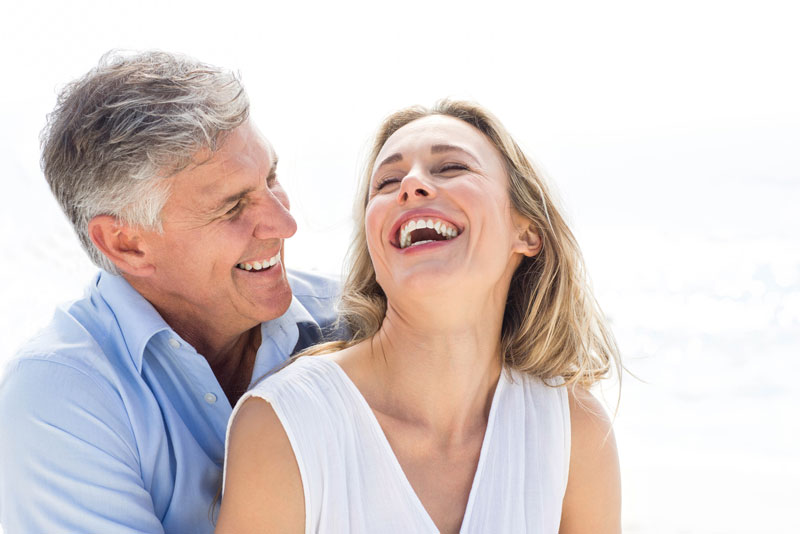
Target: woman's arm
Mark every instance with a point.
(592, 500)
(263, 489)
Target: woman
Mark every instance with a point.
(460, 405)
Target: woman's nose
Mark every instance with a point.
(414, 186)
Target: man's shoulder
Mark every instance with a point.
(82, 335)
(59, 375)
(308, 285)
(318, 294)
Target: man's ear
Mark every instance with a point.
(124, 245)
(528, 241)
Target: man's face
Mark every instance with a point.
(219, 259)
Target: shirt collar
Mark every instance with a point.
(278, 339)
(137, 319)
(139, 322)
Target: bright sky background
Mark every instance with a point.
(632, 107)
(670, 130)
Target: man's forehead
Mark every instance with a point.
(243, 161)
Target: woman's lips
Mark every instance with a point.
(422, 225)
(419, 231)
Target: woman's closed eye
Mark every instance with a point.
(383, 182)
(453, 167)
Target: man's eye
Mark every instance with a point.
(235, 209)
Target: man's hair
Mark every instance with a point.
(552, 325)
(118, 132)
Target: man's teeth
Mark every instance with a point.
(442, 228)
(260, 265)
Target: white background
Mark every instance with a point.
(670, 129)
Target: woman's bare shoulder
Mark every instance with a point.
(592, 500)
(263, 489)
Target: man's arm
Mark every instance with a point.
(263, 488)
(68, 460)
(592, 500)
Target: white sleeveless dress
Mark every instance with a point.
(353, 482)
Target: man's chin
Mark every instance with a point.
(275, 304)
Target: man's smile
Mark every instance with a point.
(262, 265)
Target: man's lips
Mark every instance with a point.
(260, 265)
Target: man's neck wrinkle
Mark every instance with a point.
(233, 363)
(231, 357)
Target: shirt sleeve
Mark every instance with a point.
(68, 459)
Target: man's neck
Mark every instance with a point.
(230, 349)
(233, 366)
(231, 358)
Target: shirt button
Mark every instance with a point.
(174, 343)
(210, 398)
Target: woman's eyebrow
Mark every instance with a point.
(435, 149)
(394, 158)
(438, 149)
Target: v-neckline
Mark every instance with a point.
(401, 475)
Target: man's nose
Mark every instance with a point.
(415, 186)
(273, 219)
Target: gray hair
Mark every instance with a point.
(129, 123)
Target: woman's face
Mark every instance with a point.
(439, 216)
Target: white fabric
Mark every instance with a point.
(353, 482)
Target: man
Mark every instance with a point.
(113, 418)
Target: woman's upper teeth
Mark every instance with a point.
(441, 227)
(260, 265)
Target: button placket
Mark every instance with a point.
(186, 355)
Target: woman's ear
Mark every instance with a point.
(122, 244)
(528, 241)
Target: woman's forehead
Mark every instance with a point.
(435, 130)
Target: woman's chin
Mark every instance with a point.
(422, 284)
(436, 285)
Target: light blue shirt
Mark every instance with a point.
(111, 423)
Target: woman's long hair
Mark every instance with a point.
(552, 324)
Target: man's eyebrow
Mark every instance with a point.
(394, 158)
(239, 195)
(230, 199)
(273, 171)
(438, 149)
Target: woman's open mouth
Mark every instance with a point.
(424, 230)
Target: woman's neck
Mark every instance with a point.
(434, 368)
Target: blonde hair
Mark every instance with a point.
(552, 324)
